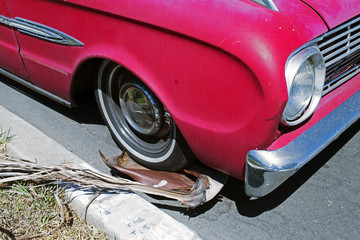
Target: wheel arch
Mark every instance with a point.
(84, 78)
(86, 74)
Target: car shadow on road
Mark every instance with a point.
(86, 112)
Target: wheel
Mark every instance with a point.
(138, 120)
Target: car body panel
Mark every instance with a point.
(217, 65)
(9, 48)
(335, 12)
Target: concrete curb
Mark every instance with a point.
(124, 215)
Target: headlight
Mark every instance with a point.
(305, 75)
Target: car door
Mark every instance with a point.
(50, 54)
(10, 60)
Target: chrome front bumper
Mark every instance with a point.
(266, 170)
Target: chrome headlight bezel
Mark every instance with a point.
(294, 63)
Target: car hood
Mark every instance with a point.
(335, 12)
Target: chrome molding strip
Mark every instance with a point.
(35, 88)
(266, 170)
(271, 5)
(40, 31)
(268, 4)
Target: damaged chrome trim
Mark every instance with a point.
(34, 88)
(266, 170)
(40, 31)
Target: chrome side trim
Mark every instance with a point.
(271, 5)
(40, 31)
(268, 4)
(4, 20)
(266, 170)
(35, 88)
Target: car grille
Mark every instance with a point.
(340, 48)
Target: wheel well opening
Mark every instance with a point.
(83, 84)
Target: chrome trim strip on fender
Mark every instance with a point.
(268, 4)
(271, 5)
(40, 31)
(266, 170)
(34, 88)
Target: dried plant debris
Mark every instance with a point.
(159, 179)
(32, 211)
(192, 194)
(212, 182)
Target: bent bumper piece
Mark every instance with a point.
(266, 170)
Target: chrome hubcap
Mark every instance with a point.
(141, 109)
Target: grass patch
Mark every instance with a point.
(29, 211)
(5, 138)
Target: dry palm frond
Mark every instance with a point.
(15, 169)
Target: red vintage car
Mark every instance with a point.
(254, 88)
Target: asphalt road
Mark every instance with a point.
(321, 201)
